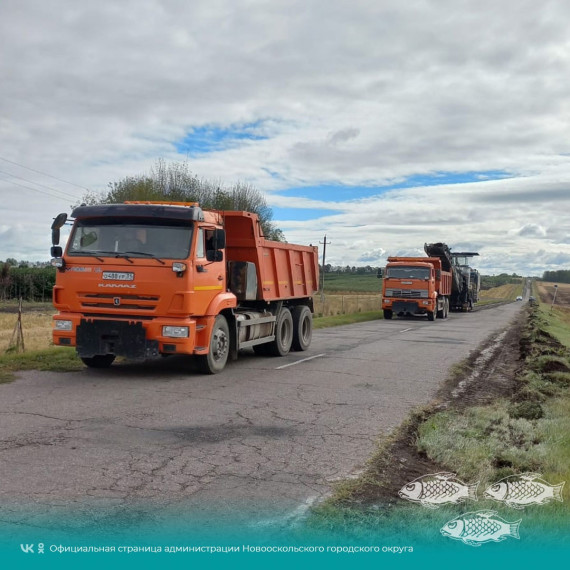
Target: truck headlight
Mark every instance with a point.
(178, 267)
(63, 325)
(426, 302)
(175, 332)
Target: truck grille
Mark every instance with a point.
(407, 293)
(119, 302)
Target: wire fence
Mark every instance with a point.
(333, 305)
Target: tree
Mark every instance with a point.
(5, 279)
(173, 182)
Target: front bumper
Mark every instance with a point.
(408, 306)
(128, 338)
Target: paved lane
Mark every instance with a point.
(267, 435)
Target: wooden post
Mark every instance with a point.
(18, 333)
(554, 297)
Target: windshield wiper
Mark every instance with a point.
(147, 254)
(113, 253)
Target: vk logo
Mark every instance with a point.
(27, 548)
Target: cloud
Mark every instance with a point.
(532, 230)
(293, 94)
(343, 136)
(372, 256)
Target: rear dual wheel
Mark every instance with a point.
(302, 327)
(283, 334)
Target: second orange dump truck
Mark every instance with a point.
(416, 286)
(143, 279)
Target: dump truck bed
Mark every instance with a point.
(284, 270)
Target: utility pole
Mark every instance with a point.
(324, 244)
(554, 297)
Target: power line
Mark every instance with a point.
(39, 184)
(35, 190)
(44, 173)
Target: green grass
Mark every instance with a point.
(558, 323)
(338, 320)
(52, 359)
(528, 433)
(346, 282)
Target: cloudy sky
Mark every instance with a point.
(382, 124)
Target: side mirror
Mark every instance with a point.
(438, 274)
(56, 251)
(58, 223)
(380, 273)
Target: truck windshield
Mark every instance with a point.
(112, 237)
(402, 272)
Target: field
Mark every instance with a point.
(507, 292)
(546, 293)
(36, 326)
(560, 326)
(352, 283)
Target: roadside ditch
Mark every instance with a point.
(500, 413)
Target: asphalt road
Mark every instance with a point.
(267, 436)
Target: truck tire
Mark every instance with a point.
(283, 334)
(431, 315)
(215, 360)
(388, 314)
(441, 312)
(302, 327)
(99, 360)
(446, 307)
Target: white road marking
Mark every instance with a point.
(406, 330)
(299, 361)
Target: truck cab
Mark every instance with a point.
(414, 286)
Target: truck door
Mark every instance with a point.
(209, 276)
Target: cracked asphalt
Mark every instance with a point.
(268, 435)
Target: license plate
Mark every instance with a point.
(117, 276)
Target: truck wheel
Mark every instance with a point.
(261, 349)
(302, 327)
(215, 360)
(388, 314)
(283, 334)
(431, 315)
(99, 360)
(441, 312)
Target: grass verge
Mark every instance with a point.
(522, 432)
(52, 359)
(338, 320)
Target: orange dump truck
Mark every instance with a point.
(143, 279)
(416, 286)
